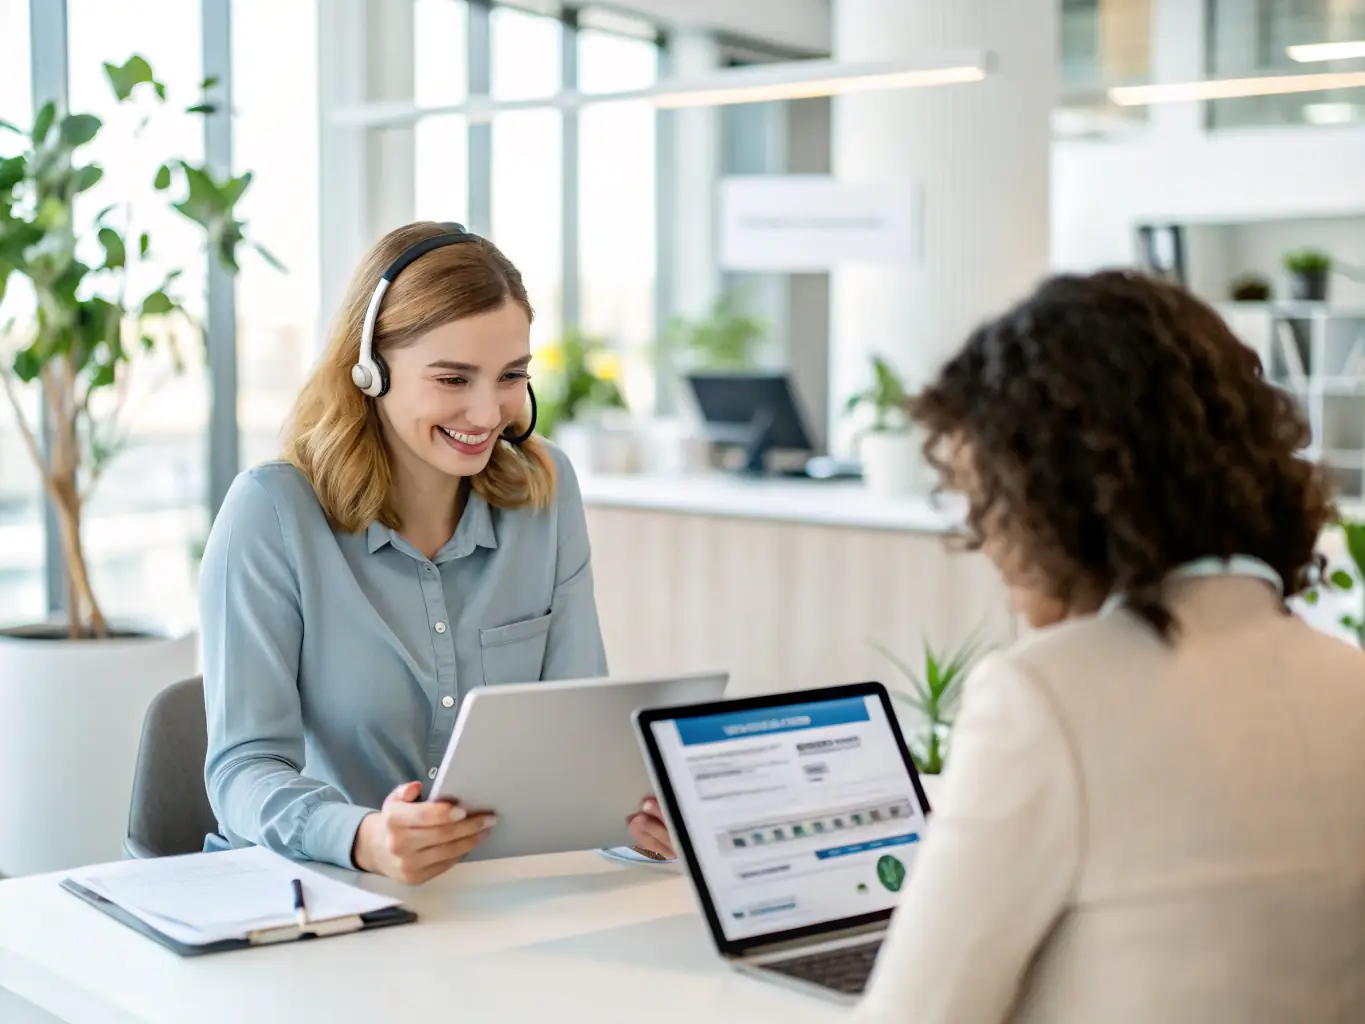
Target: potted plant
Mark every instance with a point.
(888, 445)
(1250, 288)
(931, 701)
(1308, 270)
(73, 693)
(727, 338)
(580, 403)
(1346, 579)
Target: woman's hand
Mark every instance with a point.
(414, 842)
(650, 832)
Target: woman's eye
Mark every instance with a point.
(516, 375)
(453, 381)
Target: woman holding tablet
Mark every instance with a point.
(417, 540)
(1154, 808)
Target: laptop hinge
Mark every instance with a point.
(840, 935)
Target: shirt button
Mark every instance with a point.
(431, 774)
(447, 701)
(431, 568)
(440, 627)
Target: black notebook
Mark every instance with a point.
(237, 899)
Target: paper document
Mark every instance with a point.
(207, 897)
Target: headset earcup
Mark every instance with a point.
(382, 368)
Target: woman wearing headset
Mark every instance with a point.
(416, 541)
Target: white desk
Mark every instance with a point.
(568, 938)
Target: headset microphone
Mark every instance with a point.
(370, 374)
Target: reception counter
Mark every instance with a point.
(785, 582)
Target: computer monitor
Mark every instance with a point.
(757, 411)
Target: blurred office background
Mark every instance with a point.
(354, 116)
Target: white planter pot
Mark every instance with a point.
(70, 721)
(599, 448)
(892, 462)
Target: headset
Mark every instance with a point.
(370, 374)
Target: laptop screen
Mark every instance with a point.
(798, 814)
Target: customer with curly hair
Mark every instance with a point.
(1154, 808)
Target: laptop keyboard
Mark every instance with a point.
(843, 970)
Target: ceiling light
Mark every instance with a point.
(1233, 88)
(753, 83)
(1307, 53)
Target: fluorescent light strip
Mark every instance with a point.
(820, 87)
(1308, 53)
(751, 84)
(1233, 88)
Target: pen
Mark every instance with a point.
(299, 906)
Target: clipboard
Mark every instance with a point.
(252, 940)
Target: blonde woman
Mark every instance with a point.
(416, 541)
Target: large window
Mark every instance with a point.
(1255, 37)
(1103, 43)
(528, 164)
(275, 136)
(21, 524)
(441, 142)
(148, 513)
(616, 195)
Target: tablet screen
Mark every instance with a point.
(799, 814)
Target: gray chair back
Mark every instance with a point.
(170, 810)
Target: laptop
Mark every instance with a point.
(798, 816)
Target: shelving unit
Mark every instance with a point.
(1316, 352)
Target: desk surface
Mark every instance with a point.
(783, 499)
(567, 938)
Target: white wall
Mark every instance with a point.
(799, 24)
(1101, 190)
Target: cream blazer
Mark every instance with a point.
(1131, 832)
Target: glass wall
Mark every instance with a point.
(1103, 43)
(21, 510)
(1262, 37)
(275, 136)
(148, 512)
(441, 142)
(616, 197)
(528, 162)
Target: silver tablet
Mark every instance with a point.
(558, 762)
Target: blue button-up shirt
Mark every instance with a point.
(335, 664)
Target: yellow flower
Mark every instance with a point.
(551, 357)
(606, 366)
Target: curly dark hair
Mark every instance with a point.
(1117, 428)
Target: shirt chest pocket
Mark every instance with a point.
(514, 653)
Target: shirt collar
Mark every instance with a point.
(474, 531)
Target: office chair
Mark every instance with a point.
(170, 812)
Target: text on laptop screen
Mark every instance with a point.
(799, 815)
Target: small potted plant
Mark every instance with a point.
(727, 338)
(1345, 582)
(1308, 271)
(579, 402)
(1250, 288)
(931, 701)
(888, 445)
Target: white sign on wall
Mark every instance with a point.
(808, 223)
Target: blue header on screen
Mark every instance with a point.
(739, 725)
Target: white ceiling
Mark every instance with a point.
(796, 24)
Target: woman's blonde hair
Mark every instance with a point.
(335, 436)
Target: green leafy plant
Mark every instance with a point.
(935, 691)
(1308, 261)
(886, 396)
(91, 311)
(727, 338)
(582, 373)
(1250, 288)
(1350, 578)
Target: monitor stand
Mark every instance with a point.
(756, 448)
